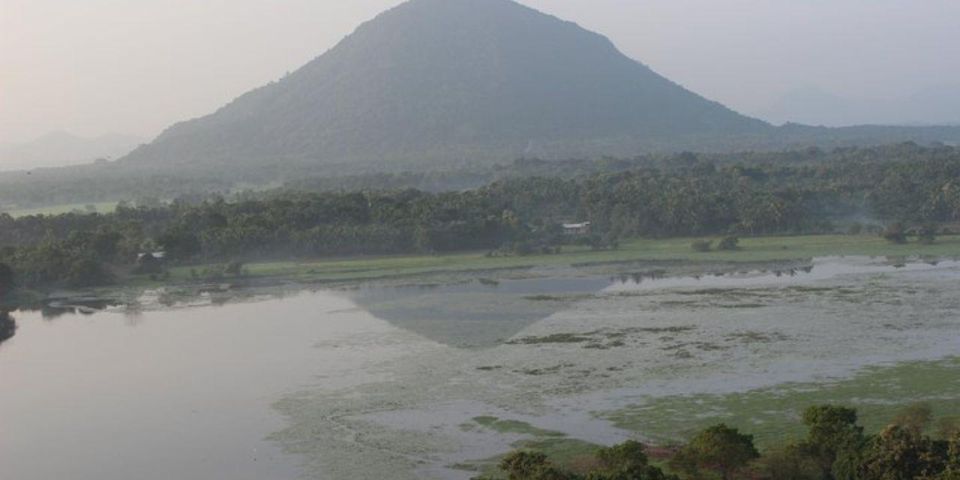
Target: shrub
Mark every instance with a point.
(234, 269)
(86, 272)
(927, 234)
(530, 466)
(148, 264)
(790, 463)
(8, 326)
(895, 233)
(702, 245)
(729, 243)
(523, 249)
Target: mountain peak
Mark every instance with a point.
(434, 80)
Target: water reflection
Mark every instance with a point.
(75, 306)
(821, 268)
(639, 277)
(485, 311)
(195, 384)
(481, 313)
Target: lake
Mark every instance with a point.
(436, 380)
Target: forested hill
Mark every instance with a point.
(443, 82)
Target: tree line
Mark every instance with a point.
(117, 181)
(513, 216)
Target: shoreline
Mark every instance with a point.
(352, 271)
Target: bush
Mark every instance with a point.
(790, 463)
(234, 269)
(530, 466)
(927, 234)
(702, 245)
(148, 264)
(729, 243)
(895, 233)
(523, 249)
(86, 272)
(8, 326)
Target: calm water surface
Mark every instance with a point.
(191, 393)
(182, 393)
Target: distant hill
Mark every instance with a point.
(452, 81)
(61, 149)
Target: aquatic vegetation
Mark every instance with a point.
(415, 360)
(758, 337)
(567, 453)
(742, 305)
(546, 370)
(772, 413)
(544, 298)
(514, 426)
(552, 338)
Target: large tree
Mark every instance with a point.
(898, 453)
(523, 465)
(833, 431)
(626, 461)
(719, 448)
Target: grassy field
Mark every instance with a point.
(751, 250)
(102, 207)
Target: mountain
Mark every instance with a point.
(60, 149)
(450, 81)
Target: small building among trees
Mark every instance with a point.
(150, 262)
(576, 229)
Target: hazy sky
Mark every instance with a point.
(136, 66)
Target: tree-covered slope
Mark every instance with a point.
(452, 81)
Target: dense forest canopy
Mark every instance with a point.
(110, 182)
(802, 192)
